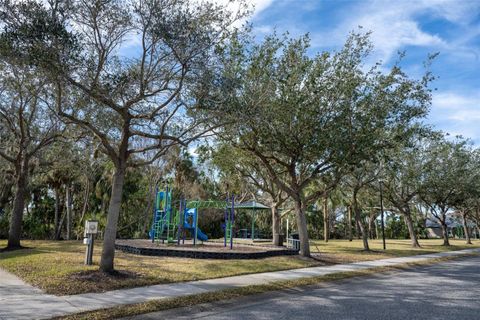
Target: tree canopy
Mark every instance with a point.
(103, 101)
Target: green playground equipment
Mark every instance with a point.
(165, 218)
(170, 225)
(229, 215)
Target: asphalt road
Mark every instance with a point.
(449, 290)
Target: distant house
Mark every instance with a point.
(454, 228)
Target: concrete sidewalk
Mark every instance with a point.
(19, 300)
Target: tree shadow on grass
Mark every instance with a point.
(10, 253)
(10, 249)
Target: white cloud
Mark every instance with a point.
(448, 100)
(400, 33)
(263, 29)
(461, 12)
(463, 108)
(457, 113)
(394, 24)
(260, 5)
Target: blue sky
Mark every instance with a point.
(451, 28)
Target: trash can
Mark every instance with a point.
(281, 238)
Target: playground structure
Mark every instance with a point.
(174, 220)
(253, 207)
(171, 223)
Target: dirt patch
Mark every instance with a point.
(96, 281)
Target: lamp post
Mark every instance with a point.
(381, 208)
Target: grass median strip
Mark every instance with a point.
(208, 297)
(344, 251)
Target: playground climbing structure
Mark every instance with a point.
(165, 218)
(172, 226)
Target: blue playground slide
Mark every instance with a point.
(191, 228)
(200, 235)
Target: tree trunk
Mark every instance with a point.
(56, 234)
(85, 202)
(103, 205)
(108, 251)
(147, 218)
(60, 225)
(445, 233)
(16, 218)
(5, 193)
(366, 247)
(276, 226)
(349, 224)
(360, 225)
(465, 228)
(326, 220)
(411, 229)
(357, 227)
(372, 227)
(68, 205)
(302, 228)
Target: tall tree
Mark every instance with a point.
(402, 174)
(467, 201)
(6, 184)
(308, 118)
(445, 170)
(61, 174)
(234, 161)
(134, 100)
(27, 126)
(361, 177)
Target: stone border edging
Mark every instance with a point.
(160, 252)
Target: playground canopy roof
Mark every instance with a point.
(251, 205)
(204, 204)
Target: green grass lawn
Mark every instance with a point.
(57, 267)
(344, 251)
